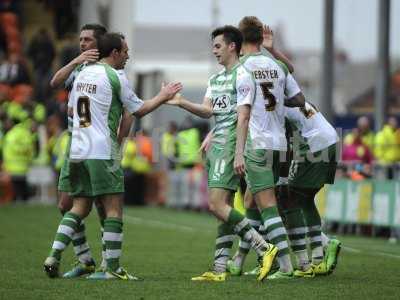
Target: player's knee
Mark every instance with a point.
(213, 207)
(65, 203)
(100, 209)
(302, 196)
(265, 198)
(81, 211)
(248, 200)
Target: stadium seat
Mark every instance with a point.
(6, 90)
(21, 93)
(9, 19)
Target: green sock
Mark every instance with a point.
(65, 231)
(254, 217)
(223, 245)
(242, 228)
(277, 236)
(103, 246)
(81, 247)
(296, 230)
(313, 222)
(113, 240)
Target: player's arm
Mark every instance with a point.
(245, 97)
(203, 110)
(296, 101)
(268, 43)
(241, 135)
(166, 93)
(62, 74)
(294, 96)
(125, 126)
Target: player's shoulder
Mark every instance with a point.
(214, 76)
(254, 58)
(243, 71)
(121, 74)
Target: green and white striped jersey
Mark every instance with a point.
(227, 90)
(98, 97)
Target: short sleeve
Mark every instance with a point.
(130, 101)
(68, 84)
(246, 87)
(208, 92)
(291, 86)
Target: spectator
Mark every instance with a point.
(364, 131)
(188, 145)
(135, 166)
(69, 51)
(168, 145)
(14, 71)
(387, 145)
(41, 51)
(18, 152)
(357, 151)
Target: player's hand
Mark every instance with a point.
(176, 101)
(169, 91)
(205, 145)
(238, 164)
(91, 55)
(307, 111)
(268, 37)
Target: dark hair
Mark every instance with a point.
(252, 30)
(98, 30)
(108, 42)
(231, 35)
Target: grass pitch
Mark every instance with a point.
(167, 248)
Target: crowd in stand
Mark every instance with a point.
(365, 151)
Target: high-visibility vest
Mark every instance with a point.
(18, 150)
(188, 144)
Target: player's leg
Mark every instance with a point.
(107, 182)
(312, 219)
(253, 215)
(220, 200)
(261, 168)
(67, 227)
(222, 183)
(296, 228)
(86, 263)
(218, 205)
(309, 176)
(331, 248)
(102, 216)
(276, 232)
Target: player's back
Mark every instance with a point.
(316, 130)
(267, 114)
(97, 112)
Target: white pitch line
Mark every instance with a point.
(354, 250)
(159, 224)
(387, 254)
(349, 249)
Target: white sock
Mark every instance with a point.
(285, 264)
(324, 239)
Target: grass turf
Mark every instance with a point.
(167, 248)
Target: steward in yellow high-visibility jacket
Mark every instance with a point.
(387, 143)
